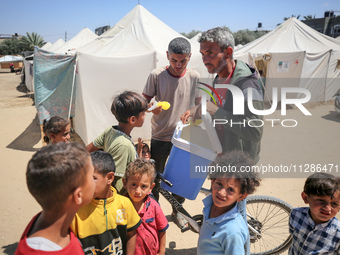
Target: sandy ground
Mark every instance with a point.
(314, 140)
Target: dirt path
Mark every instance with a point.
(315, 140)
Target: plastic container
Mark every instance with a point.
(194, 148)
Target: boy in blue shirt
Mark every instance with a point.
(315, 229)
(224, 230)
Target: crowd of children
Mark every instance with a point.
(80, 198)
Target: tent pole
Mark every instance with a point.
(264, 88)
(73, 81)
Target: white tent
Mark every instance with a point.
(10, 59)
(238, 46)
(60, 42)
(46, 46)
(29, 81)
(295, 55)
(121, 59)
(195, 38)
(82, 38)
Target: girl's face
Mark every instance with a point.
(146, 152)
(62, 136)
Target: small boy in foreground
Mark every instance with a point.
(139, 181)
(315, 229)
(60, 178)
(224, 230)
(108, 224)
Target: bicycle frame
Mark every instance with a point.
(178, 206)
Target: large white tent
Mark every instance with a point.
(295, 55)
(121, 59)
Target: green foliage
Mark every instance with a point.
(309, 17)
(32, 40)
(15, 46)
(11, 46)
(241, 37)
(245, 36)
(293, 16)
(190, 34)
(287, 18)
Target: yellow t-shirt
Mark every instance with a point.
(102, 225)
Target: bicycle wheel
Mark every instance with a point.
(270, 217)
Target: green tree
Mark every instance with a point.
(32, 40)
(190, 34)
(287, 18)
(309, 17)
(11, 46)
(245, 36)
(293, 16)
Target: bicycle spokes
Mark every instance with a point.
(268, 219)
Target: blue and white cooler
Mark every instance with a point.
(194, 148)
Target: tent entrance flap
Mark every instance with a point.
(53, 75)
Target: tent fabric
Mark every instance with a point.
(195, 38)
(98, 84)
(298, 48)
(140, 32)
(10, 58)
(28, 64)
(53, 76)
(82, 38)
(122, 59)
(60, 42)
(46, 46)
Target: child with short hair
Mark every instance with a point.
(143, 150)
(224, 230)
(129, 109)
(315, 229)
(107, 224)
(151, 235)
(56, 129)
(60, 178)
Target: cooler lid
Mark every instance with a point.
(207, 145)
(193, 148)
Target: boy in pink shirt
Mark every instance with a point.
(139, 181)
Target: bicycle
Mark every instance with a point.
(267, 221)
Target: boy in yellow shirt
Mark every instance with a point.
(108, 224)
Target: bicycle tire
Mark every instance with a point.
(272, 219)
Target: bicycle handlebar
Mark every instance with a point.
(161, 177)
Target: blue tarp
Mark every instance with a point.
(53, 77)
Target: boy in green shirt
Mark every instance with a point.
(129, 109)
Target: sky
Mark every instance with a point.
(52, 19)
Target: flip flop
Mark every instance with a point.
(179, 220)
